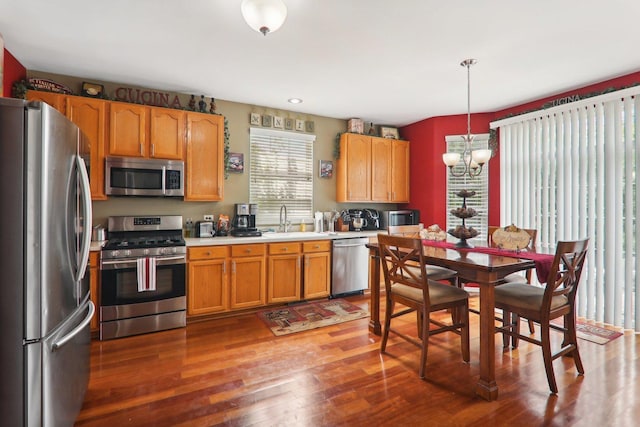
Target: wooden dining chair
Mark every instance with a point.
(433, 271)
(517, 277)
(410, 285)
(541, 305)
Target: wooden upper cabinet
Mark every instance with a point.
(56, 100)
(381, 169)
(167, 133)
(127, 130)
(372, 169)
(91, 117)
(353, 168)
(205, 157)
(400, 171)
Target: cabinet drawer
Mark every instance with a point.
(317, 246)
(208, 252)
(247, 250)
(284, 248)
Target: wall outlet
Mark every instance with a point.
(208, 217)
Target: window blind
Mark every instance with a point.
(281, 173)
(479, 184)
(571, 172)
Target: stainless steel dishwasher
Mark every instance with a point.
(350, 270)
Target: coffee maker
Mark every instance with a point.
(244, 221)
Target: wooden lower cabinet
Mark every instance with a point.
(235, 277)
(284, 272)
(94, 287)
(208, 290)
(317, 269)
(248, 276)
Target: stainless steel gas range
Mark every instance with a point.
(142, 276)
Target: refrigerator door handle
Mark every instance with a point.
(58, 344)
(86, 213)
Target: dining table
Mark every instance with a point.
(485, 266)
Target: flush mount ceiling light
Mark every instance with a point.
(295, 101)
(265, 16)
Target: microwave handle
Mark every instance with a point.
(164, 180)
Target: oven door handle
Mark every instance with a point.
(124, 263)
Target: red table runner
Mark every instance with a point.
(543, 261)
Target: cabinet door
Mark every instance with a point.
(166, 136)
(207, 291)
(205, 157)
(400, 176)
(56, 100)
(248, 282)
(94, 288)
(91, 116)
(381, 169)
(353, 170)
(284, 278)
(317, 275)
(127, 130)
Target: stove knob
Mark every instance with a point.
(146, 251)
(114, 254)
(127, 252)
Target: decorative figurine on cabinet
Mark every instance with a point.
(192, 103)
(202, 104)
(212, 106)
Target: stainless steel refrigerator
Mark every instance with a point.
(45, 232)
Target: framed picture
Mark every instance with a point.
(387, 132)
(326, 168)
(278, 122)
(255, 119)
(300, 125)
(92, 89)
(236, 162)
(288, 123)
(309, 126)
(266, 121)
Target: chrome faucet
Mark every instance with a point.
(283, 223)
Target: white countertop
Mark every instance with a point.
(271, 237)
(97, 245)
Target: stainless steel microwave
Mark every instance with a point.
(126, 176)
(399, 217)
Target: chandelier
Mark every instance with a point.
(265, 16)
(473, 160)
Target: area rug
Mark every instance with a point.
(306, 316)
(595, 333)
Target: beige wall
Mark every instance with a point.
(236, 188)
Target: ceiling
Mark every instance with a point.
(387, 62)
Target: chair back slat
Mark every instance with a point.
(565, 272)
(399, 255)
(405, 230)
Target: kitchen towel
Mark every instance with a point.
(146, 274)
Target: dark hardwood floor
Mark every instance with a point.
(234, 372)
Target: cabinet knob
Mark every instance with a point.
(208, 253)
(248, 251)
(316, 247)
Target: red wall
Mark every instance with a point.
(428, 173)
(13, 70)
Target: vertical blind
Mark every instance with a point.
(479, 184)
(572, 172)
(281, 173)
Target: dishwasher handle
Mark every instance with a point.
(343, 245)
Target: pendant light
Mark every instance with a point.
(473, 159)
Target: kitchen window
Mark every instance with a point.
(281, 173)
(479, 184)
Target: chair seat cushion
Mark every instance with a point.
(522, 295)
(433, 272)
(438, 292)
(439, 273)
(515, 278)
